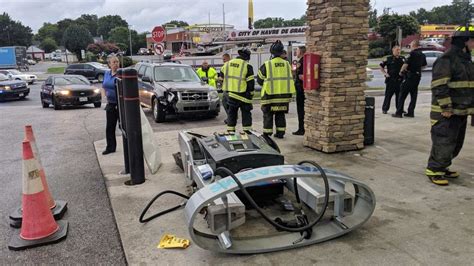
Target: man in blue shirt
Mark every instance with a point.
(112, 114)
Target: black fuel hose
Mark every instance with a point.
(144, 220)
(226, 171)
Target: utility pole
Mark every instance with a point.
(223, 17)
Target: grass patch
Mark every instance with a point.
(373, 66)
(56, 70)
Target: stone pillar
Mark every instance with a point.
(334, 114)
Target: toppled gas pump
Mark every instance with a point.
(252, 202)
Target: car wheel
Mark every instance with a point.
(97, 105)
(158, 112)
(56, 105)
(31, 83)
(100, 78)
(45, 105)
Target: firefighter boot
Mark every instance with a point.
(437, 177)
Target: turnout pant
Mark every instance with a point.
(112, 116)
(392, 87)
(447, 136)
(409, 86)
(225, 101)
(268, 116)
(300, 97)
(232, 113)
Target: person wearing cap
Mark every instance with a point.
(239, 84)
(207, 74)
(452, 90)
(278, 87)
(415, 62)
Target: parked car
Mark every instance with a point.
(31, 62)
(17, 75)
(435, 40)
(92, 71)
(431, 57)
(171, 88)
(69, 90)
(56, 57)
(12, 89)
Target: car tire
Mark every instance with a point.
(55, 105)
(45, 105)
(100, 78)
(97, 105)
(159, 114)
(31, 83)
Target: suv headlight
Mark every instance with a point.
(214, 94)
(96, 91)
(5, 88)
(64, 92)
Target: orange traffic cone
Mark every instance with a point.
(38, 225)
(58, 207)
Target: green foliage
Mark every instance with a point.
(13, 33)
(381, 43)
(102, 48)
(48, 30)
(106, 23)
(177, 23)
(279, 22)
(376, 52)
(88, 21)
(55, 70)
(372, 17)
(76, 38)
(91, 57)
(459, 12)
(125, 61)
(62, 26)
(387, 26)
(139, 41)
(48, 45)
(120, 35)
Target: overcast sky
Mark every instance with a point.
(143, 15)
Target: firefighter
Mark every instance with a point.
(239, 83)
(277, 89)
(452, 101)
(208, 74)
(393, 80)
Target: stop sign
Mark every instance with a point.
(158, 34)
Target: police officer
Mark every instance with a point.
(452, 101)
(415, 62)
(393, 80)
(277, 89)
(300, 97)
(239, 83)
(208, 74)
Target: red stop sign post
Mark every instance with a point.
(158, 34)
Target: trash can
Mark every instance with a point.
(369, 122)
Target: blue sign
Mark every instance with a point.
(7, 56)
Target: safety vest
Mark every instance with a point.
(278, 85)
(211, 75)
(235, 72)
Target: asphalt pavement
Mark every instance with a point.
(65, 141)
(378, 81)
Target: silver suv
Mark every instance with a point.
(170, 88)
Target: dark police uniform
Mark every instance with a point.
(452, 91)
(393, 82)
(415, 61)
(300, 97)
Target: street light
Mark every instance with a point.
(130, 38)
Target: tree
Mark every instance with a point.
(91, 22)
(76, 38)
(13, 33)
(48, 45)
(140, 41)
(103, 47)
(372, 18)
(107, 23)
(387, 26)
(458, 13)
(48, 30)
(177, 23)
(120, 36)
(62, 26)
(279, 22)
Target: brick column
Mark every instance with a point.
(334, 119)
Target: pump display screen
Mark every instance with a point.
(237, 146)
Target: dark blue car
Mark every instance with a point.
(12, 89)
